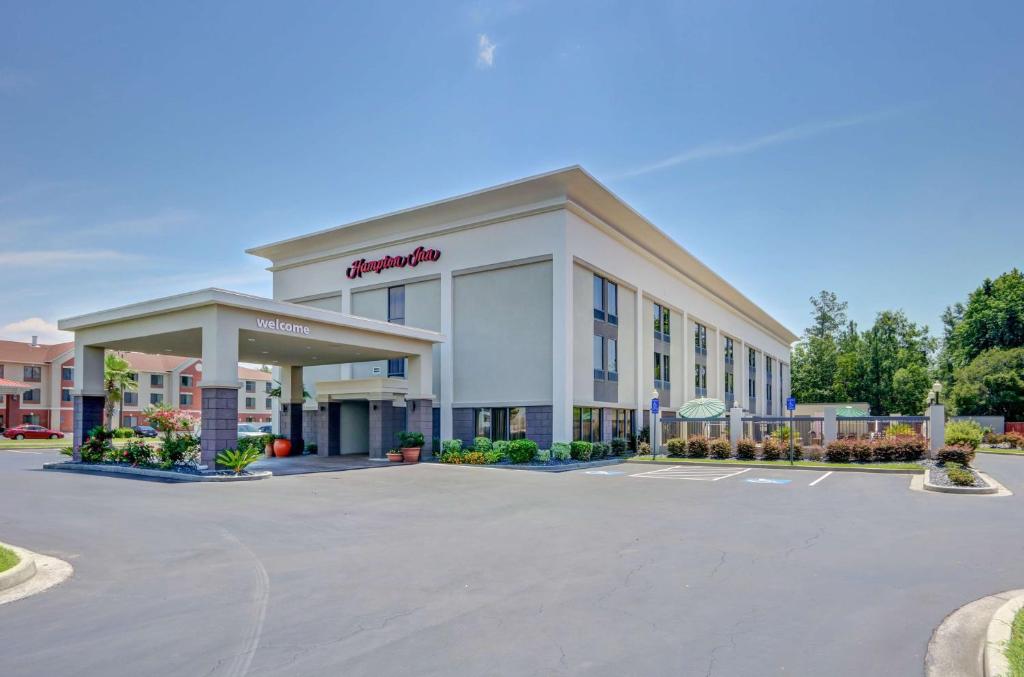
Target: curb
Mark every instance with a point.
(20, 572)
(71, 466)
(535, 468)
(958, 645)
(997, 637)
(994, 488)
(41, 572)
(755, 464)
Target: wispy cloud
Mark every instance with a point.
(51, 257)
(146, 225)
(788, 135)
(24, 330)
(485, 51)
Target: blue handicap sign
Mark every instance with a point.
(765, 480)
(654, 405)
(790, 403)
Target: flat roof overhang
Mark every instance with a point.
(268, 331)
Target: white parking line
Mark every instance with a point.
(735, 473)
(820, 478)
(22, 451)
(696, 473)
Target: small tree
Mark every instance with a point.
(117, 380)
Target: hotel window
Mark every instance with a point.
(187, 381)
(729, 350)
(622, 423)
(612, 361)
(67, 373)
(768, 385)
(599, 357)
(131, 399)
(267, 387)
(185, 399)
(662, 323)
(606, 300)
(700, 380)
(33, 374)
(700, 339)
(1, 371)
(730, 389)
(156, 380)
(752, 374)
(267, 404)
(661, 370)
(586, 424)
(31, 396)
(606, 359)
(501, 423)
(396, 315)
(250, 403)
(156, 398)
(250, 386)
(65, 395)
(131, 421)
(30, 419)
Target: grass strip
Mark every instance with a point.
(780, 464)
(7, 559)
(1015, 648)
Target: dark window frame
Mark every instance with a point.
(32, 373)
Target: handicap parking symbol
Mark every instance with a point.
(765, 480)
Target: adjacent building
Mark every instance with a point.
(41, 378)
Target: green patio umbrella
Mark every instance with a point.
(702, 407)
(850, 412)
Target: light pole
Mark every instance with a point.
(936, 390)
(655, 418)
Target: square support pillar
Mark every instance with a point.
(419, 418)
(220, 423)
(329, 443)
(735, 426)
(386, 420)
(936, 428)
(829, 428)
(88, 414)
(291, 408)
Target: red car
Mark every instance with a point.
(32, 432)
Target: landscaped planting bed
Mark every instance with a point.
(782, 463)
(7, 559)
(525, 453)
(1015, 648)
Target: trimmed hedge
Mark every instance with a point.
(746, 449)
(676, 447)
(883, 450)
(961, 454)
(697, 447)
(600, 450)
(521, 451)
(482, 444)
(619, 446)
(720, 448)
(963, 433)
(581, 451)
(561, 451)
(771, 450)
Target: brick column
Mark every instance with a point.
(386, 420)
(419, 418)
(220, 423)
(88, 415)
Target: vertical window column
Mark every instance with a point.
(396, 315)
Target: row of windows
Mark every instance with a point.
(662, 323)
(500, 423)
(396, 315)
(606, 300)
(662, 372)
(700, 380)
(700, 339)
(587, 423)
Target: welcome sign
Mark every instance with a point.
(277, 324)
(411, 260)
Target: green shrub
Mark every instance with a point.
(451, 446)
(1014, 439)
(960, 476)
(862, 451)
(237, 459)
(814, 453)
(643, 448)
(886, 449)
(501, 446)
(561, 451)
(910, 449)
(676, 447)
(543, 456)
(839, 451)
(124, 433)
(491, 457)
(97, 448)
(619, 446)
(720, 448)
(409, 440)
(452, 456)
(967, 433)
(311, 448)
(521, 451)
(257, 443)
(961, 454)
(482, 444)
(697, 447)
(771, 449)
(181, 449)
(474, 457)
(136, 453)
(580, 451)
(746, 449)
(599, 450)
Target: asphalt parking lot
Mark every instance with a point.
(438, 570)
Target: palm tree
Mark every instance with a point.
(117, 379)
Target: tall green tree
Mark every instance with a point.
(894, 343)
(992, 383)
(828, 314)
(992, 318)
(815, 356)
(117, 380)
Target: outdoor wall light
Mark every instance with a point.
(936, 390)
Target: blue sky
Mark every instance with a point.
(870, 148)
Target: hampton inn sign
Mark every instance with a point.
(418, 256)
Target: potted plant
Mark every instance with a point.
(282, 446)
(268, 444)
(410, 443)
(395, 456)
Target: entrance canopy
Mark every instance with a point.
(223, 328)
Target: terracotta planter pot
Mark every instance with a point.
(411, 454)
(269, 450)
(395, 456)
(282, 448)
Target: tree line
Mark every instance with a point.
(979, 358)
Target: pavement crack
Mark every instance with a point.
(718, 566)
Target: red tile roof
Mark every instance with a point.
(8, 383)
(25, 353)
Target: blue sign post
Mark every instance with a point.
(655, 405)
(791, 406)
